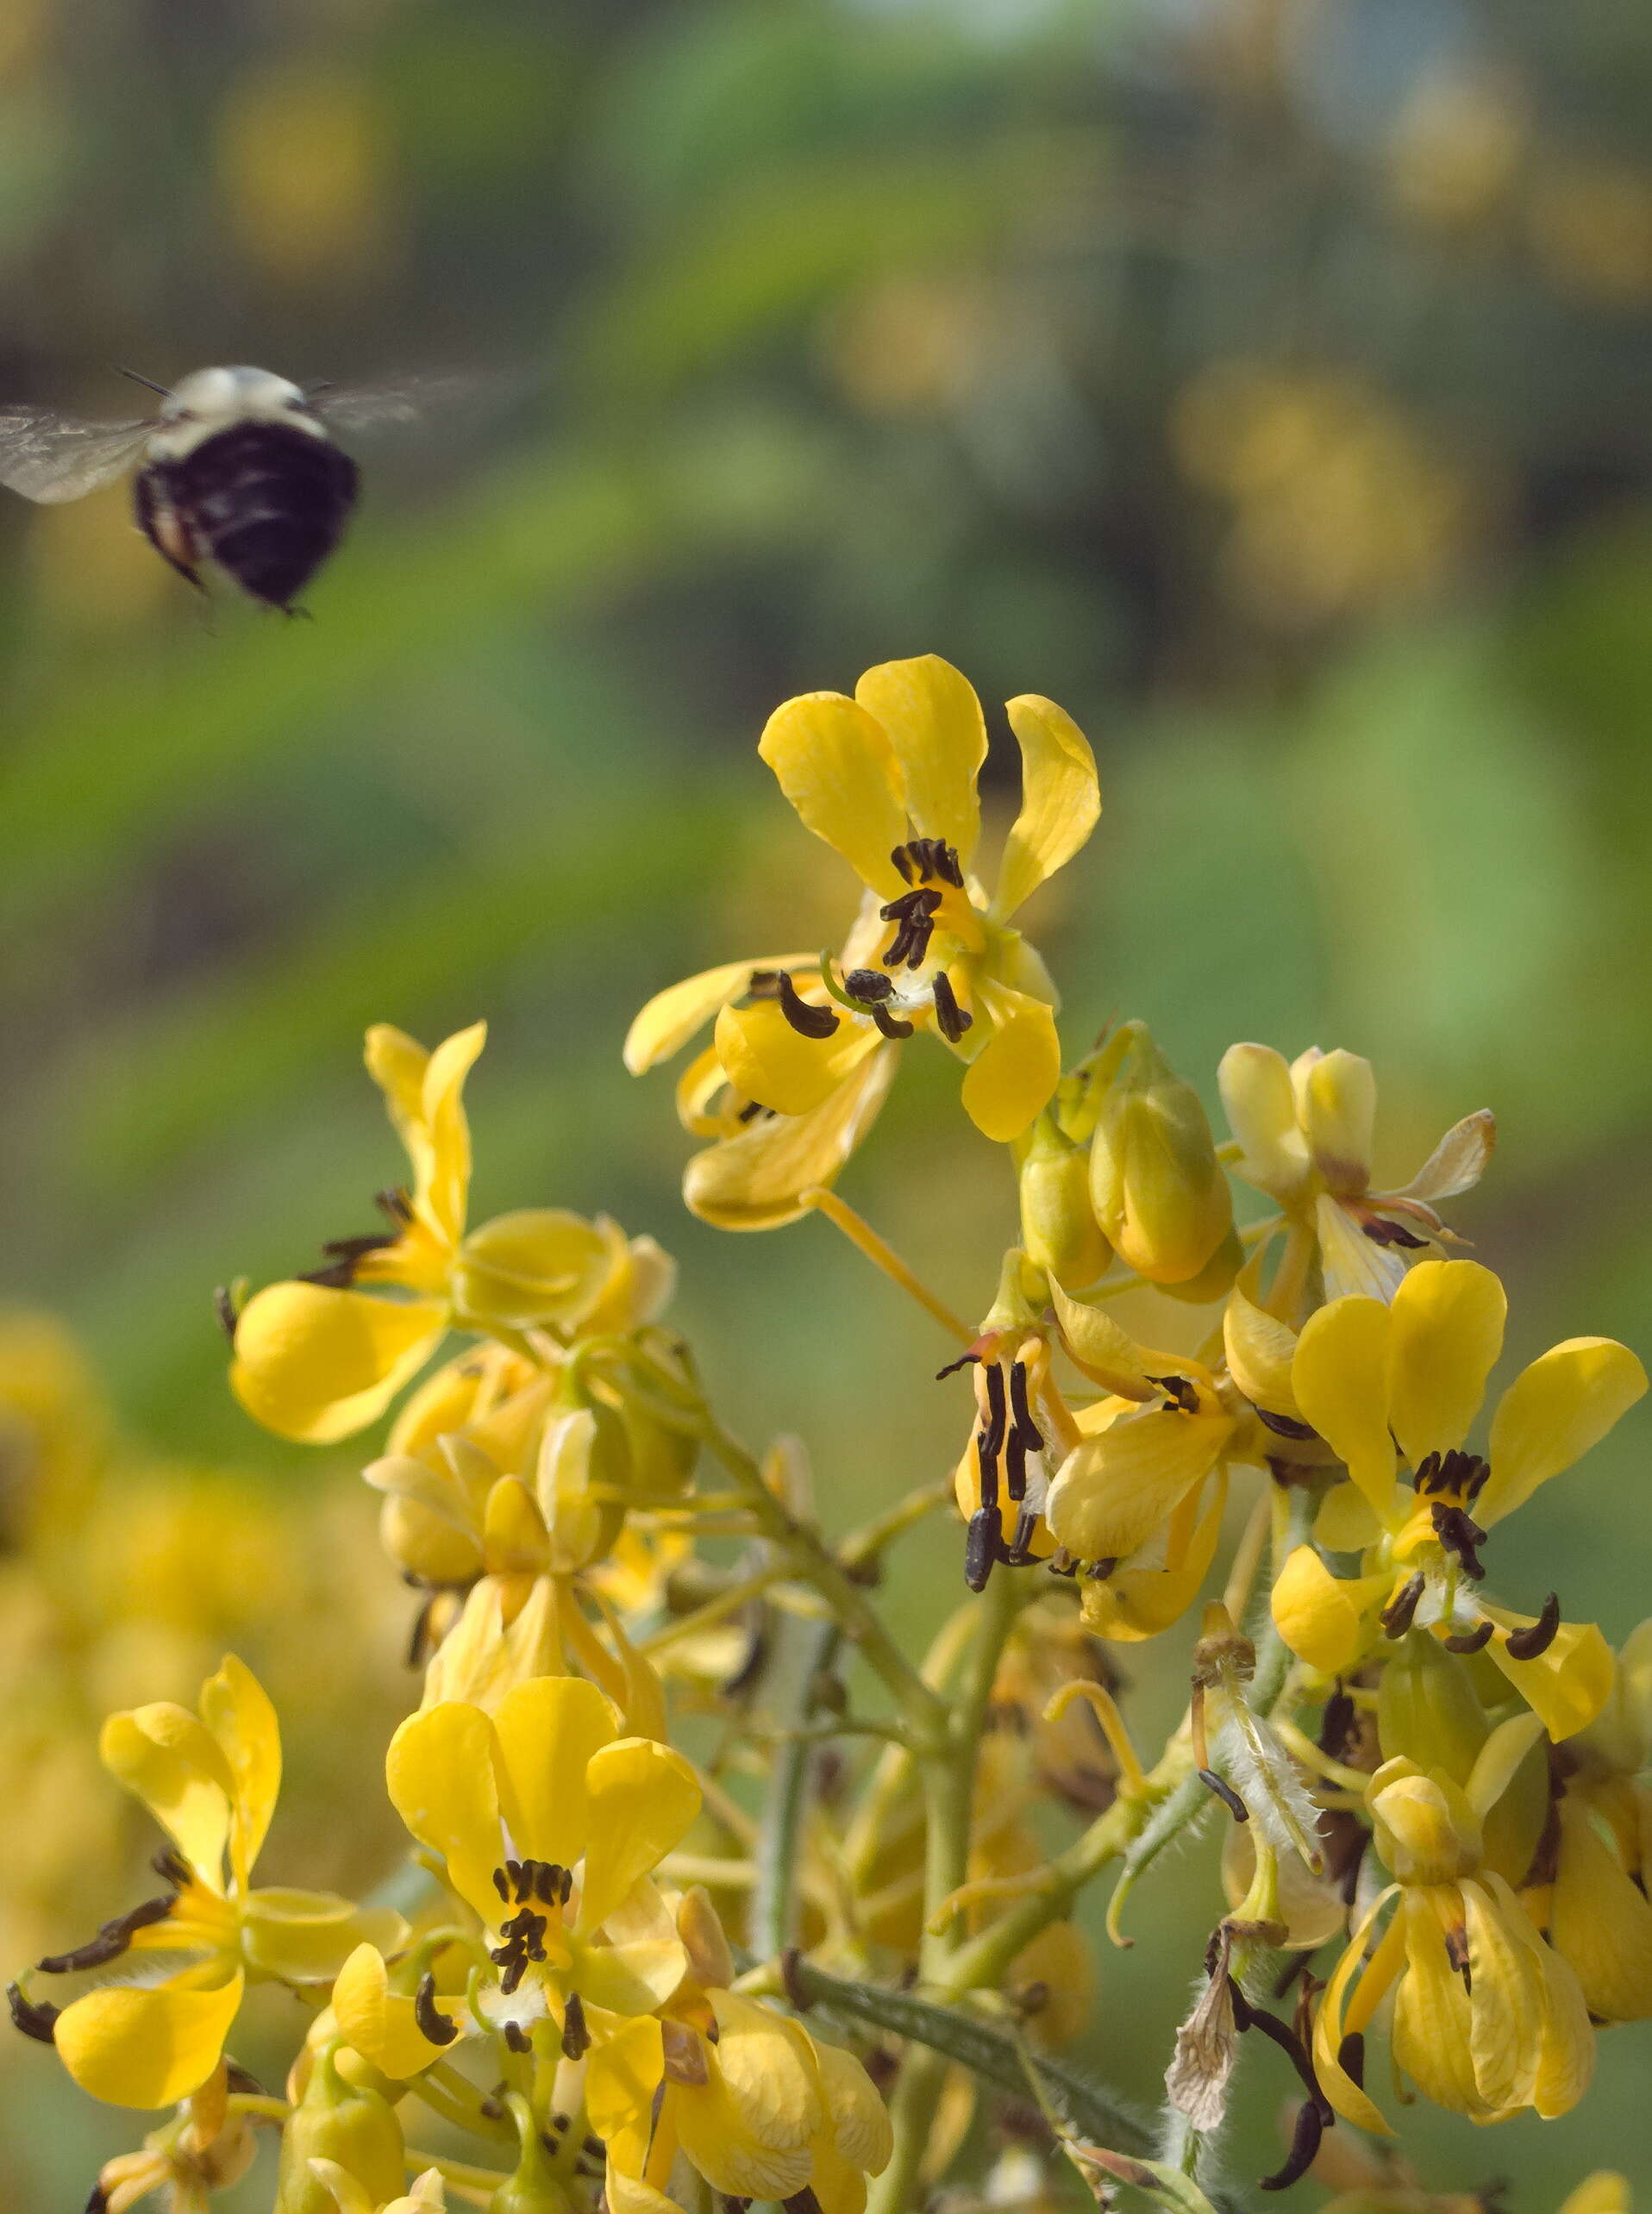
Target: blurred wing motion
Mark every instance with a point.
(394, 403)
(51, 457)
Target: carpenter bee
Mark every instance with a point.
(237, 466)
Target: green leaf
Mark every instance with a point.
(1165, 2185)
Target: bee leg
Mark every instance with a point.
(166, 529)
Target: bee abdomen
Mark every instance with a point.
(269, 502)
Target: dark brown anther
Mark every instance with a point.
(750, 1111)
(1336, 1723)
(1061, 1563)
(172, 1867)
(1098, 1572)
(35, 2017)
(989, 1438)
(870, 986)
(1350, 2057)
(913, 914)
(1471, 1640)
(1460, 1534)
(1527, 1644)
(1283, 1425)
(111, 1940)
(802, 2202)
(517, 2038)
(395, 1205)
(735, 2205)
(890, 1025)
(344, 1258)
(808, 1021)
(1182, 1394)
(501, 1883)
(418, 1638)
(576, 2038)
(1026, 1426)
(1226, 1793)
(237, 2077)
(951, 1018)
(560, 2122)
(964, 1360)
(791, 1980)
(513, 1877)
(548, 1883)
(98, 2201)
(981, 1547)
(1382, 1232)
(901, 861)
(225, 1307)
(1305, 2145)
(1457, 1946)
(439, 2028)
(1017, 1553)
(1401, 1610)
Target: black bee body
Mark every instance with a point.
(268, 501)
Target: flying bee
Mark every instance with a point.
(237, 466)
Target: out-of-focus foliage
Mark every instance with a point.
(1263, 378)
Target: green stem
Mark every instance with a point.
(772, 1908)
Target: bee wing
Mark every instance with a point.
(51, 457)
(395, 403)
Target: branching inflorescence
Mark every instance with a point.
(793, 1968)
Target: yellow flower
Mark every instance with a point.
(427, 2196)
(746, 2094)
(1401, 1384)
(549, 1821)
(319, 1356)
(1305, 1131)
(804, 1050)
(1594, 1904)
(1487, 2019)
(201, 2149)
(210, 1780)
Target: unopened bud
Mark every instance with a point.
(344, 2123)
(1058, 1223)
(1158, 1190)
(537, 1267)
(423, 1544)
(1426, 1708)
(534, 2188)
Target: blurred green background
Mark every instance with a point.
(1264, 379)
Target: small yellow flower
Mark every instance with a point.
(1401, 1383)
(804, 1050)
(744, 2093)
(1487, 2019)
(1305, 1131)
(549, 1821)
(202, 2149)
(210, 1780)
(427, 2196)
(321, 1356)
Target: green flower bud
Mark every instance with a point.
(337, 2120)
(1058, 1223)
(1426, 1708)
(1157, 1190)
(538, 1266)
(535, 2188)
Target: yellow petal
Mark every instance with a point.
(1337, 1098)
(1133, 1604)
(1599, 1920)
(1566, 2048)
(236, 1709)
(380, 2022)
(348, 2194)
(315, 1364)
(1353, 1265)
(933, 720)
(440, 1774)
(1446, 1335)
(1060, 799)
(1345, 1522)
(1457, 1163)
(630, 1978)
(643, 1797)
(623, 2074)
(1260, 1102)
(766, 2076)
(835, 765)
(1564, 1686)
(857, 2117)
(443, 1169)
(733, 2160)
(764, 1057)
(1431, 2035)
(1095, 1343)
(146, 2048)
(167, 1757)
(1340, 1376)
(1260, 1350)
(755, 1181)
(1016, 1071)
(670, 1019)
(305, 1937)
(1557, 1408)
(1327, 1621)
(548, 1731)
(1112, 1491)
(1352, 2104)
(1505, 2001)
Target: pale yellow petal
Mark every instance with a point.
(1340, 1376)
(315, 1364)
(236, 1709)
(1345, 1522)
(1133, 1603)
(1260, 1102)
(764, 2075)
(644, 1798)
(1096, 1344)
(1600, 1920)
(1446, 1335)
(763, 1057)
(1567, 1685)
(1505, 2002)
(1566, 1401)
(1353, 1265)
(670, 1019)
(1327, 1621)
(1260, 1350)
(856, 2115)
(1112, 1491)
(623, 2074)
(443, 1174)
(1351, 2102)
(1431, 2035)
(440, 1774)
(1457, 1163)
(1016, 1072)
(167, 1757)
(548, 1731)
(933, 720)
(305, 1937)
(835, 765)
(380, 2022)
(146, 2049)
(755, 1181)
(1338, 1098)
(1060, 799)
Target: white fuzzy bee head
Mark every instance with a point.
(208, 401)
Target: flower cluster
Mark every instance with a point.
(712, 1891)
